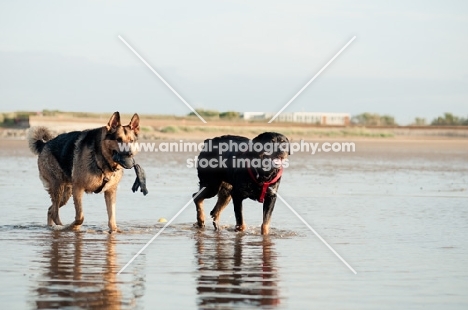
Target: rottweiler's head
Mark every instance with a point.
(118, 142)
(275, 147)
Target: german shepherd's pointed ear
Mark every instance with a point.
(114, 122)
(135, 123)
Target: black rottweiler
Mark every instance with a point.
(228, 168)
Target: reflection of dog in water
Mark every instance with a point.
(241, 181)
(236, 272)
(70, 278)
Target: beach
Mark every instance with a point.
(395, 210)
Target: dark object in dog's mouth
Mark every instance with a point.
(123, 159)
(140, 181)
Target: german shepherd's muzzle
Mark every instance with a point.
(90, 161)
(125, 159)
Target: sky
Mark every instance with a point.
(409, 58)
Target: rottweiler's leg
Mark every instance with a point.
(110, 197)
(209, 191)
(240, 226)
(77, 197)
(268, 206)
(199, 206)
(224, 197)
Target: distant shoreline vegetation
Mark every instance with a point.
(369, 119)
(21, 118)
(214, 113)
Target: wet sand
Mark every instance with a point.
(396, 210)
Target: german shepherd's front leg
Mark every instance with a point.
(110, 197)
(77, 196)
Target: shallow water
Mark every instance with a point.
(397, 212)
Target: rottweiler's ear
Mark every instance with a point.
(260, 139)
(135, 123)
(114, 121)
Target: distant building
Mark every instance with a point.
(318, 118)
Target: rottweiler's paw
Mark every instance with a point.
(77, 223)
(240, 227)
(216, 226)
(74, 227)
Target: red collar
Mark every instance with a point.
(265, 185)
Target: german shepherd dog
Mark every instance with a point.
(83, 161)
(238, 181)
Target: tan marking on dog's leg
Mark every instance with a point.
(64, 193)
(55, 193)
(199, 206)
(265, 228)
(200, 213)
(221, 204)
(50, 221)
(55, 216)
(240, 225)
(67, 192)
(208, 191)
(268, 207)
(110, 197)
(224, 197)
(77, 197)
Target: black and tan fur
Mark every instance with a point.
(79, 162)
(235, 182)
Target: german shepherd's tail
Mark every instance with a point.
(37, 138)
